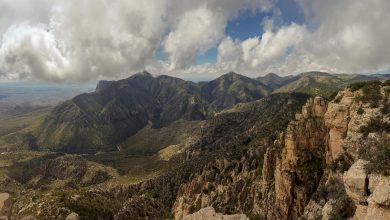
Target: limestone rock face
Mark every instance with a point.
(364, 189)
(356, 181)
(5, 205)
(299, 168)
(344, 121)
(381, 195)
(73, 216)
(379, 200)
(210, 214)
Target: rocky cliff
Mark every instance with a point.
(258, 160)
(313, 177)
(313, 170)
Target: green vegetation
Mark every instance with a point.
(313, 165)
(371, 92)
(386, 83)
(324, 84)
(342, 206)
(150, 140)
(16, 127)
(342, 163)
(376, 124)
(378, 153)
(360, 111)
(93, 205)
(386, 107)
(318, 89)
(359, 85)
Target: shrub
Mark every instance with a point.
(386, 108)
(371, 92)
(360, 111)
(376, 124)
(342, 206)
(359, 85)
(342, 163)
(378, 152)
(386, 83)
(387, 91)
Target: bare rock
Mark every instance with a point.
(381, 195)
(210, 214)
(356, 182)
(73, 216)
(5, 204)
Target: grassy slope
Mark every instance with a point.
(323, 84)
(16, 126)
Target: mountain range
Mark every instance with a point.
(119, 109)
(159, 147)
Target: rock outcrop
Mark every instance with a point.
(210, 214)
(370, 192)
(73, 216)
(303, 173)
(356, 181)
(299, 167)
(5, 205)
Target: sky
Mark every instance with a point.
(86, 40)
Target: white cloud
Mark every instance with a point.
(350, 35)
(260, 53)
(87, 39)
(340, 36)
(200, 25)
(81, 40)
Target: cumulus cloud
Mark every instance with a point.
(349, 36)
(260, 53)
(87, 39)
(202, 26)
(81, 40)
(339, 36)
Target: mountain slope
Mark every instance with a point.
(95, 121)
(100, 120)
(231, 89)
(323, 84)
(274, 81)
(226, 136)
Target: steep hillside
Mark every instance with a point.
(227, 136)
(307, 173)
(274, 81)
(324, 84)
(100, 120)
(231, 89)
(97, 121)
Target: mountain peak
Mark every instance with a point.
(272, 75)
(102, 85)
(231, 76)
(144, 73)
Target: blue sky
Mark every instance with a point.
(249, 24)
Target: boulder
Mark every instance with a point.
(73, 216)
(381, 195)
(356, 182)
